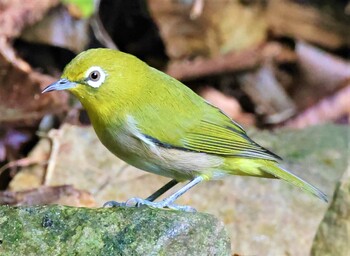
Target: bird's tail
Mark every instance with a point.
(277, 171)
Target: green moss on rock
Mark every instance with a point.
(61, 230)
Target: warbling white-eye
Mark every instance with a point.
(155, 123)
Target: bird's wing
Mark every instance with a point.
(213, 133)
(187, 122)
(225, 140)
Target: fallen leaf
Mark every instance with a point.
(64, 195)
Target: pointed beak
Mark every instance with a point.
(59, 85)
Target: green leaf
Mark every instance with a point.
(86, 7)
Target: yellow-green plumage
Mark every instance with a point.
(156, 123)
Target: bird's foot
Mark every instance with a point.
(112, 204)
(137, 202)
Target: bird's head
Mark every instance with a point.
(101, 78)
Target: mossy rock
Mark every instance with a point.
(61, 230)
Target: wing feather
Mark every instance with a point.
(224, 139)
(189, 123)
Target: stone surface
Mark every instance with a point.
(62, 230)
(263, 216)
(333, 235)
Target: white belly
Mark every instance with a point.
(137, 150)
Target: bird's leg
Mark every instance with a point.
(162, 190)
(169, 201)
(151, 198)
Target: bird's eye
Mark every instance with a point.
(95, 76)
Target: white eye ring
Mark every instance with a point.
(95, 76)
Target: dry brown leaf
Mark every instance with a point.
(20, 94)
(15, 15)
(64, 195)
(211, 28)
(329, 109)
(320, 75)
(20, 91)
(314, 21)
(58, 28)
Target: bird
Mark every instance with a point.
(154, 122)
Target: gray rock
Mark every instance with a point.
(333, 236)
(62, 230)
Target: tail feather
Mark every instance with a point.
(285, 175)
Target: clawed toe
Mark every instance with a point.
(165, 203)
(112, 204)
(137, 202)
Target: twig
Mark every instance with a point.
(99, 30)
(55, 137)
(27, 161)
(233, 62)
(197, 9)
